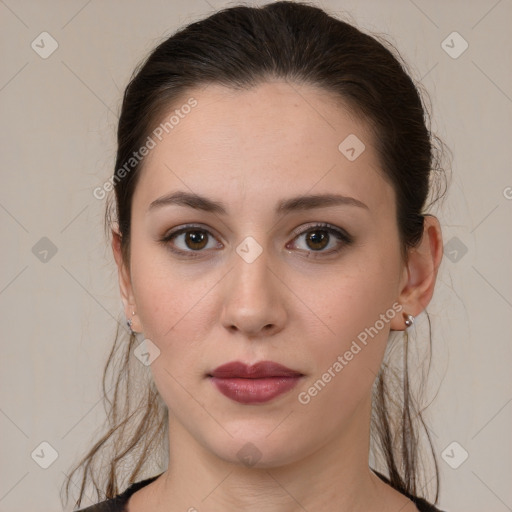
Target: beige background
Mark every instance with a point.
(58, 119)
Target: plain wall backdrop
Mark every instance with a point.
(59, 298)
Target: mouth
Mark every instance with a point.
(254, 384)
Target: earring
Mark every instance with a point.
(409, 320)
(130, 322)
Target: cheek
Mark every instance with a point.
(357, 309)
(174, 315)
(347, 362)
(164, 293)
(357, 295)
(175, 309)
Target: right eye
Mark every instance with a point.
(189, 239)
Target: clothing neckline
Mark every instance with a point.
(122, 499)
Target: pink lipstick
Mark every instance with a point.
(258, 383)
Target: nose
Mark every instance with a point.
(254, 298)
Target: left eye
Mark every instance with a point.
(319, 237)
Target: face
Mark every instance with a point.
(250, 281)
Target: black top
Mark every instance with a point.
(118, 503)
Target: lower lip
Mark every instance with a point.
(253, 391)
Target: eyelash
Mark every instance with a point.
(338, 233)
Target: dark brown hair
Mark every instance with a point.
(240, 47)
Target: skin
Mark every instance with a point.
(293, 305)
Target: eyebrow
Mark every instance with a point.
(298, 203)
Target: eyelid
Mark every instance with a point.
(185, 227)
(328, 227)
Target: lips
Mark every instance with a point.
(256, 371)
(258, 383)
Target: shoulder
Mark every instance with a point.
(117, 504)
(104, 506)
(421, 504)
(424, 506)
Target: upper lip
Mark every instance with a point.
(258, 370)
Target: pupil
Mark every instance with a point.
(315, 238)
(196, 237)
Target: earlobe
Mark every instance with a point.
(421, 272)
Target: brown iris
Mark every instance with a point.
(195, 239)
(318, 237)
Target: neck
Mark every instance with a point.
(335, 476)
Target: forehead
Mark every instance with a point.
(261, 143)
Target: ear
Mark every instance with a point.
(125, 284)
(420, 272)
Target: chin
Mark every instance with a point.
(258, 451)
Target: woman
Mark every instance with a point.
(272, 179)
